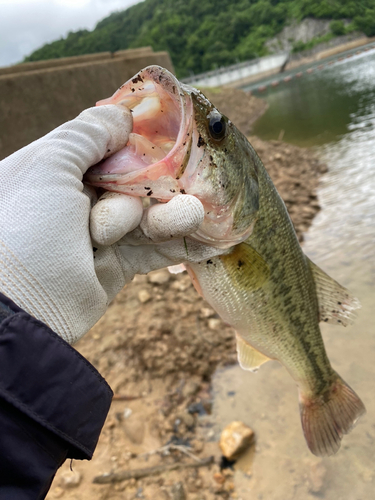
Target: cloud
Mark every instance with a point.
(25, 25)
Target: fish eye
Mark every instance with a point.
(217, 125)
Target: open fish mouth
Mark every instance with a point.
(175, 148)
(158, 150)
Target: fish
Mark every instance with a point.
(262, 284)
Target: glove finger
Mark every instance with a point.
(162, 222)
(90, 192)
(181, 216)
(187, 250)
(145, 258)
(113, 216)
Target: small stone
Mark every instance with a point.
(70, 479)
(197, 445)
(234, 439)
(135, 430)
(214, 323)
(178, 492)
(189, 389)
(219, 478)
(144, 296)
(127, 412)
(187, 419)
(57, 492)
(206, 312)
(159, 277)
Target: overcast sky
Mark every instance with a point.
(25, 25)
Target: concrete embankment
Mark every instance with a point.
(323, 54)
(37, 97)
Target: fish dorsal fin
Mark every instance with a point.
(336, 304)
(248, 357)
(246, 267)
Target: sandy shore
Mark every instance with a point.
(158, 346)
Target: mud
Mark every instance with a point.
(158, 346)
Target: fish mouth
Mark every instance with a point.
(163, 157)
(158, 149)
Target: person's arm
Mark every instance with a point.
(57, 280)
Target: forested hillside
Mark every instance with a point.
(203, 34)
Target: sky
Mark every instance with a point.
(25, 25)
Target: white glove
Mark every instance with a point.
(49, 265)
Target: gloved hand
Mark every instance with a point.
(49, 265)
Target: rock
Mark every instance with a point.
(144, 296)
(70, 479)
(127, 412)
(135, 430)
(159, 277)
(206, 312)
(234, 439)
(178, 492)
(197, 445)
(214, 323)
(189, 389)
(187, 419)
(219, 478)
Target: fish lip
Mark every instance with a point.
(164, 78)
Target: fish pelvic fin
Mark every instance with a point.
(248, 357)
(327, 417)
(336, 304)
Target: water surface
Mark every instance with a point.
(333, 111)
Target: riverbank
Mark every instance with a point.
(328, 52)
(318, 53)
(158, 346)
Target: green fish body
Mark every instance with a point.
(263, 284)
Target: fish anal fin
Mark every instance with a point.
(246, 267)
(248, 357)
(336, 304)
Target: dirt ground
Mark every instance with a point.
(158, 346)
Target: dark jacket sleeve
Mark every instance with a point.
(53, 404)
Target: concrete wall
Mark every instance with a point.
(68, 61)
(239, 74)
(33, 102)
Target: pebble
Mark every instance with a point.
(197, 445)
(189, 389)
(127, 412)
(214, 323)
(70, 479)
(144, 296)
(206, 312)
(219, 478)
(234, 439)
(187, 419)
(178, 492)
(159, 277)
(135, 430)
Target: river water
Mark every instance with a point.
(333, 112)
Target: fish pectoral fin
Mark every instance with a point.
(248, 357)
(336, 304)
(246, 268)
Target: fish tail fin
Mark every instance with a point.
(327, 417)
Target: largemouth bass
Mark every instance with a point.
(263, 284)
